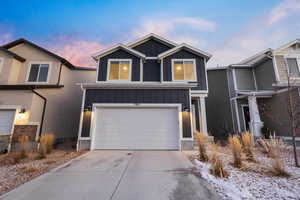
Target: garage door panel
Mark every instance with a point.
(136, 128)
(6, 121)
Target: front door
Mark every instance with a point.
(246, 116)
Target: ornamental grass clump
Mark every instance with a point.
(236, 149)
(24, 146)
(217, 166)
(49, 142)
(202, 141)
(248, 145)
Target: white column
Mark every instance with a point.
(203, 116)
(255, 122)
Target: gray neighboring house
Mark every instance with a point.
(38, 93)
(149, 94)
(252, 94)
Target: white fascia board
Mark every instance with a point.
(105, 52)
(137, 85)
(254, 56)
(179, 47)
(286, 45)
(147, 37)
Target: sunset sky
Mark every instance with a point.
(229, 29)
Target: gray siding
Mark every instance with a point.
(275, 113)
(152, 48)
(244, 79)
(135, 72)
(265, 75)
(183, 54)
(139, 96)
(151, 70)
(219, 117)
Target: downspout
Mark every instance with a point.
(43, 112)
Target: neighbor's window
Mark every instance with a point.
(38, 73)
(184, 70)
(119, 69)
(293, 66)
(1, 63)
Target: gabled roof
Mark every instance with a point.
(194, 50)
(22, 40)
(19, 58)
(253, 59)
(151, 36)
(112, 49)
(297, 41)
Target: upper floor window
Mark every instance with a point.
(38, 72)
(184, 69)
(293, 67)
(119, 69)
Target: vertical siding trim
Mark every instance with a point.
(237, 115)
(81, 119)
(254, 78)
(204, 59)
(275, 69)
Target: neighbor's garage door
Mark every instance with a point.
(136, 128)
(6, 121)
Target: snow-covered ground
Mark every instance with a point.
(255, 181)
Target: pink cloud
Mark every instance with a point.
(77, 51)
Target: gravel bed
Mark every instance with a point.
(255, 180)
(12, 175)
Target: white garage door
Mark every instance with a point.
(136, 128)
(6, 121)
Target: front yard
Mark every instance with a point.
(15, 171)
(254, 180)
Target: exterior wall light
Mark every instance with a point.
(88, 108)
(186, 109)
(23, 110)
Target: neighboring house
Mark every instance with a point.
(38, 92)
(252, 94)
(149, 94)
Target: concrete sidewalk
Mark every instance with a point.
(117, 175)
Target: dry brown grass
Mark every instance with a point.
(236, 149)
(272, 146)
(29, 169)
(24, 146)
(278, 168)
(49, 141)
(217, 166)
(248, 145)
(202, 142)
(10, 159)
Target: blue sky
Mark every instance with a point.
(230, 30)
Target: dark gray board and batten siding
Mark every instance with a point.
(152, 48)
(184, 54)
(158, 96)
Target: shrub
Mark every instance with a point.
(217, 167)
(278, 168)
(24, 146)
(202, 140)
(248, 145)
(236, 149)
(49, 141)
(272, 147)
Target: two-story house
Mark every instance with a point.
(149, 94)
(38, 92)
(252, 94)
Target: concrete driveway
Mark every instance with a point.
(126, 175)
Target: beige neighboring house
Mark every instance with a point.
(38, 93)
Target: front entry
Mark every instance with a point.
(246, 116)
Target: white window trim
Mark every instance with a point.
(298, 63)
(184, 80)
(1, 63)
(108, 70)
(39, 63)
